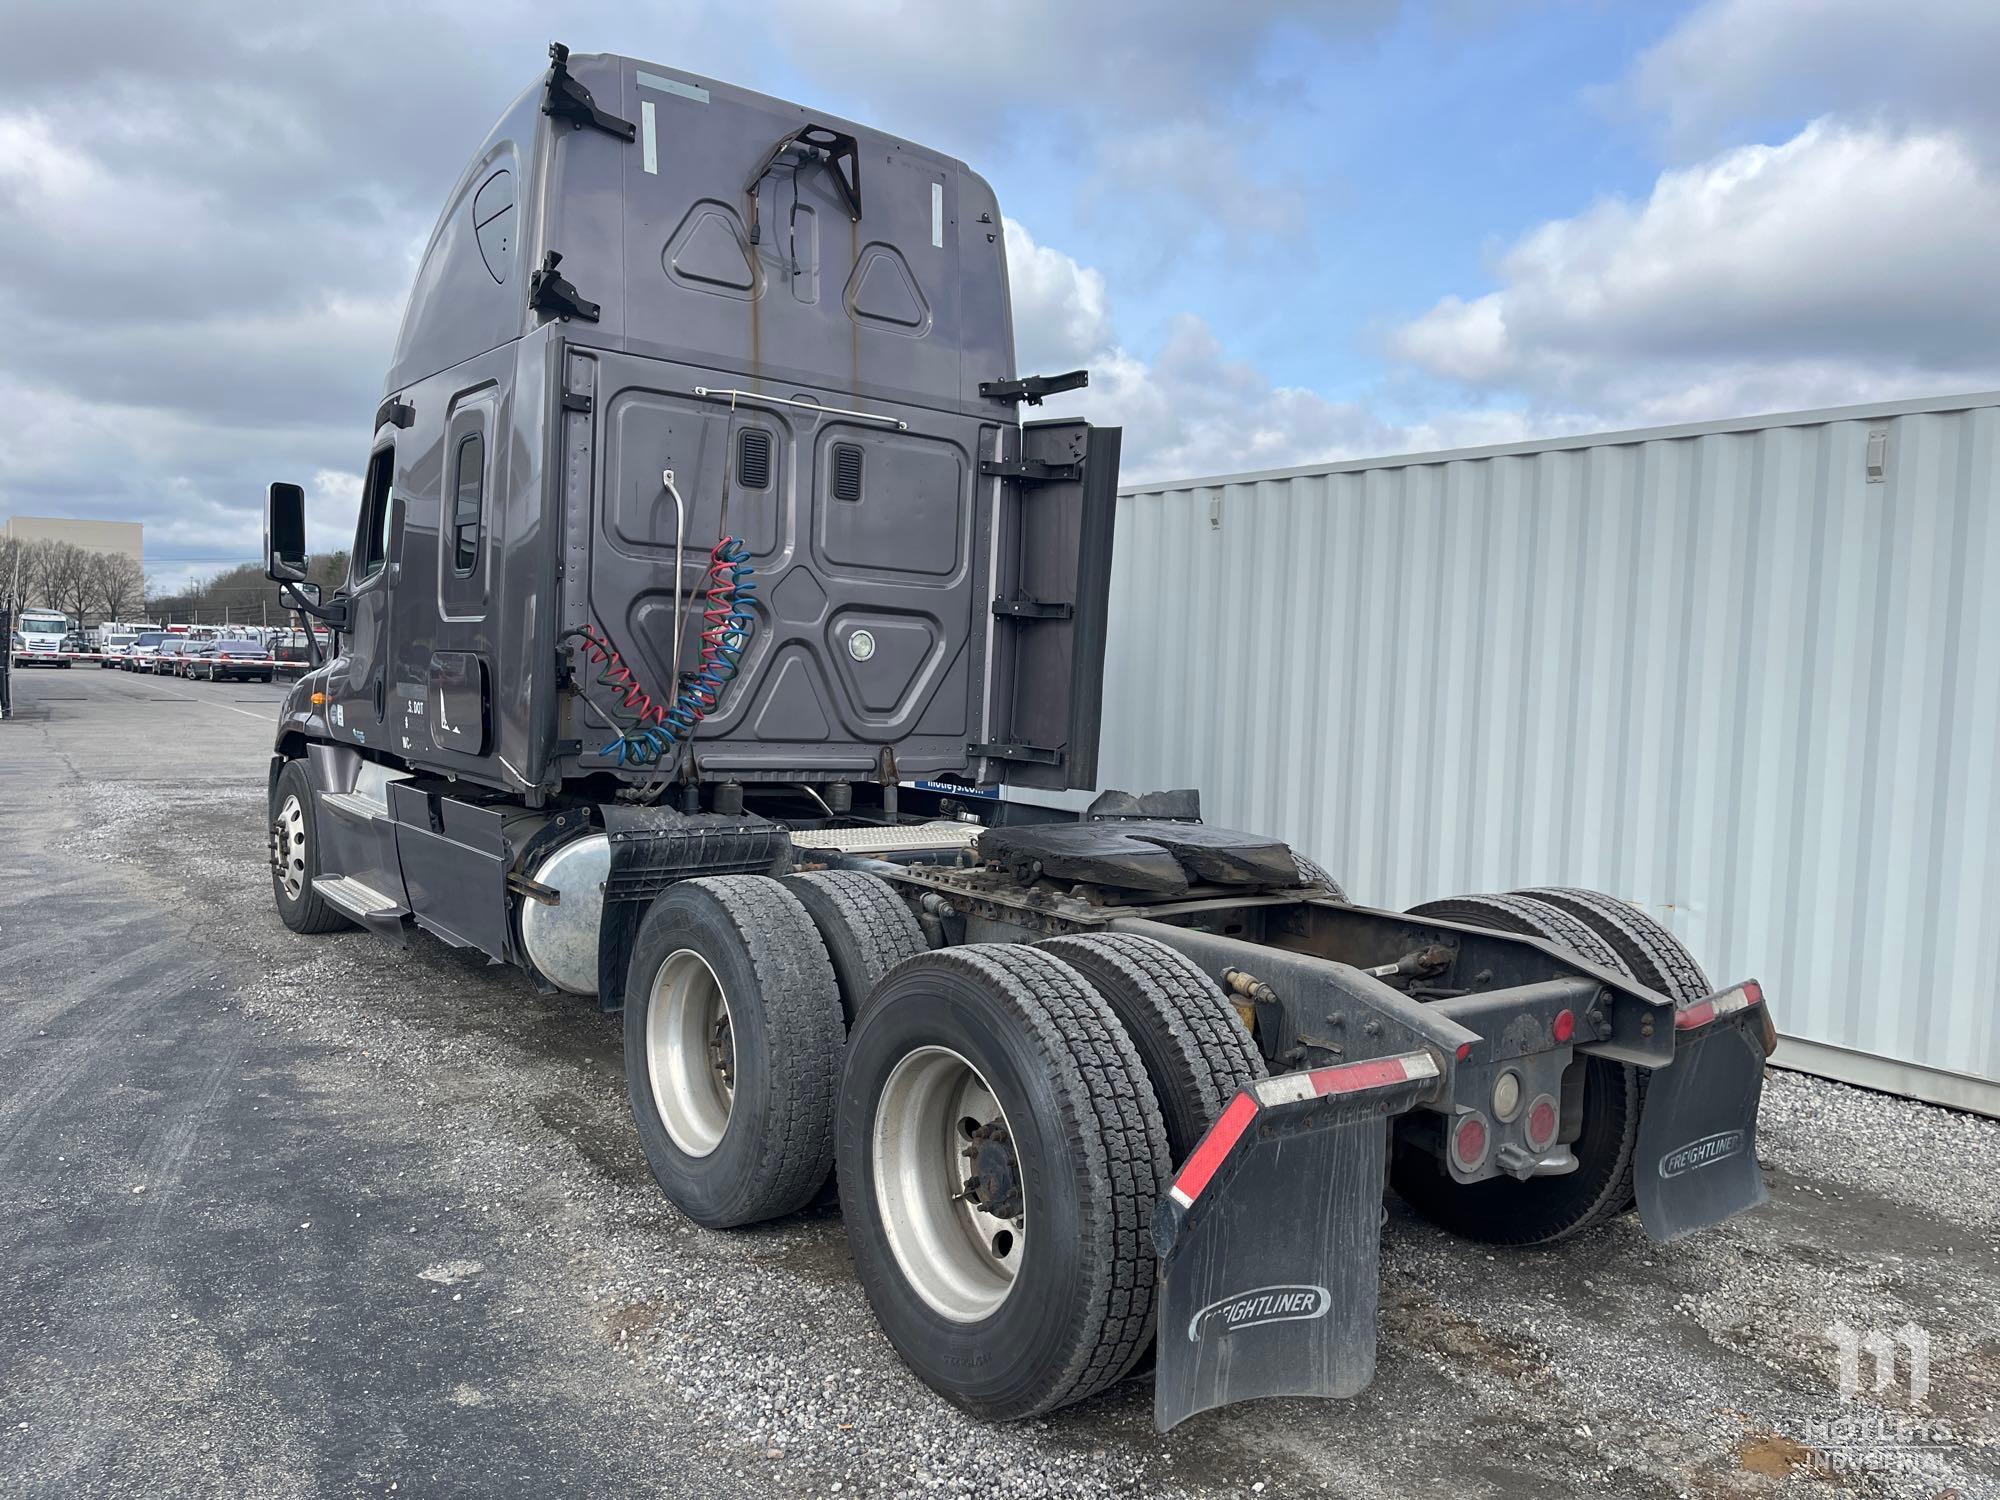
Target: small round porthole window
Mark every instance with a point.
(493, 220)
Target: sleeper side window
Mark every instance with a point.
(371, 538)
(468, 503)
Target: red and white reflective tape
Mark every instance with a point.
(1737, 997)
(1346, 1078)
(1293, 1088)
(1207, 1156)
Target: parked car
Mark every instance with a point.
(138, 656)
(291, 652)
(237, 660)
(113, 646)
(166, 658)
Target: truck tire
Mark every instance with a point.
(1048, 1298)
(1502, 1210)
(1191, 1042)
(867, 928)
(295, 855)
(732, 1049)
(1312, 872)
(1652, 954)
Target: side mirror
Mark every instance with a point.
(285, 534)
(310, 591)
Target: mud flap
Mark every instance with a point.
(1269, 1240)
(1697, 1148)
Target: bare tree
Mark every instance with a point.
(116, 583)
(81, 593)
(11, 567)
(47, 568)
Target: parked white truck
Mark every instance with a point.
(44, 636)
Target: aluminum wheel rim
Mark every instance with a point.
(288, 847)
(691, 1052)
(960, 1259)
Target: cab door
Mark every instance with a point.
(361, 706)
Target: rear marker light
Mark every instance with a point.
(1468, 1142)
(1565, 1025)
(1464, 1051)
(1542, 1122)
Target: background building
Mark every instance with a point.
(126, 537)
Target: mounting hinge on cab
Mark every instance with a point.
(1021, 608)
(1030, 470)
(1034, 755)
(548, 292)
(1031, 388)
(566, 99)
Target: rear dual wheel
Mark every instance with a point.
(732, 1049)
(1008, 1117)
(1601, 930)
(998, 1120)
(1001, 1152)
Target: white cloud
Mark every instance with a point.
(1062, 318)
(1733, 64)
(1190, 409)
(1842, 265)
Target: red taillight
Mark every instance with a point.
(1565, 1025)
(1468, 1142)
(1464, 1051)
(1542, 1122)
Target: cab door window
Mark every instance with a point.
(465, 523)
(468, 502)
(371, 537)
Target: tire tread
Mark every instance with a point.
(1210, 1054)
(1117, 1153)
(796, 990)
(867, 909)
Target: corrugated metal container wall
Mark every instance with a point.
(1716, 671)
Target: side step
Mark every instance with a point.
(354, 804)
(359, 901)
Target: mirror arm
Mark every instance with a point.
(335, 615)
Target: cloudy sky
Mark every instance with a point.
(1276, 232)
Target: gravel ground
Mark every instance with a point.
(306, 1216)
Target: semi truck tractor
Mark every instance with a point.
(713, 567)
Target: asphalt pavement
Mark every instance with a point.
(298, 1216)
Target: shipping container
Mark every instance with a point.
(1745, 674)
